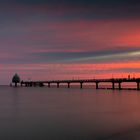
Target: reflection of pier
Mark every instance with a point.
(113, 81)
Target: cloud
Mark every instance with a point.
(43, 71)
(96, 2)
(75, 32)
(74, 9)
(89, 57)
(34, 41)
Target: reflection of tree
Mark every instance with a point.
(15, 103)
(16, 79)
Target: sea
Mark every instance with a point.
(42, 113)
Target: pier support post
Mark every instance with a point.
(138, 86)
(97, 85)
(81, 85)
(21, 84)
(57, 85)
(31, 84)
(120, 86)
(49, 85)
(34, 84)
(41, 84)
(113, 85)
(68, 85)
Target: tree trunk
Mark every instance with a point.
(15, 84)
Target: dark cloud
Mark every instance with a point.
(88, 57)
(77, 9)
(75, 2)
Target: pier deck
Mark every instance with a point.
(113, 81)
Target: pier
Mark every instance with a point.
(115, 82)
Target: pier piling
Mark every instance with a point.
(68, 85)
(113, 85)
(57, 85)
(138, 86)
(97, 85)
(49, 85)
(81, 85)
(120, 86)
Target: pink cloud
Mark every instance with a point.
(73, 36)
(69, 71)
(27, 35)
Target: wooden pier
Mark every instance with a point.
(97, 82)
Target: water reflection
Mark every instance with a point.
(72, 114)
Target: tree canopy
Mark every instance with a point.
(16, 78)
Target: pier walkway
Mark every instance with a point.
(113, 81)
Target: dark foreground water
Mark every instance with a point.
(68, 114)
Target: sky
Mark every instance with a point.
(69, 39)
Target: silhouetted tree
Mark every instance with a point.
(16, 79)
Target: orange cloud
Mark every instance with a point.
(70, 71)
(132, 39)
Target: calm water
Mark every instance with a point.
(68, 114)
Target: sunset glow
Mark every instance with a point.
(46, 40)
